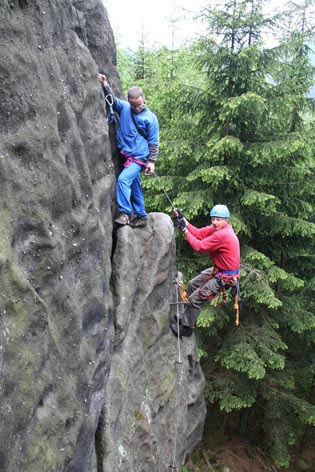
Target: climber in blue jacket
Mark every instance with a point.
(138, 142)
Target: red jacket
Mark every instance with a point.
(222, 245)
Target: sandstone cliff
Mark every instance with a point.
(88, 379)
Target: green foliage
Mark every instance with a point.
(212, 318)
(252, 349)
(237, 127)
(230, 390)
(286, 415)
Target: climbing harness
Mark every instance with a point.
(228, 279)
(180, 365)
(131, 159)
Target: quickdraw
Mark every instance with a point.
(111, 117)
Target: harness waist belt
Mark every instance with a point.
(131, 159)
(228, 272)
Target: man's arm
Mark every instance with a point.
(153, 152)
(201, 233)
(106, 88)
(210, 243)
(153, 139)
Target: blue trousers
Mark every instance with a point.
(129, 192)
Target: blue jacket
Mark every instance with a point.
(128, 138)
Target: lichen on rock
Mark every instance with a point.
(88, 374)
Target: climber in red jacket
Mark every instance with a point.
(222, 245)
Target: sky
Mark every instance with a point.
(151, 19)
(131, 20)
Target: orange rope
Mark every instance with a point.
(237, 310)
(183, 293)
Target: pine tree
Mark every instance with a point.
(254, 114)
(237, 127)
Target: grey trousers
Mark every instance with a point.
(198, 291)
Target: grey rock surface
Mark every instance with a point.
(88, 379)
(139, 433)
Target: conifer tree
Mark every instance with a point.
(237, 127)
(254, 118)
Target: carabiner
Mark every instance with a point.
(109, 101)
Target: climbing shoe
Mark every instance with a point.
(123, 219)
(183, 330)
(174, 319)
(139, 222)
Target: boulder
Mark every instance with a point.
(89, 379)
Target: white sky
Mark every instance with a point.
(132, 20)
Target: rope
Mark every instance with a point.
(237, 304)
(180, 382)
(161, 185)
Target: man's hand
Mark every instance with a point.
(178, 213)
(181, 221)
(181, 224)
(102, 79)
(149, 169)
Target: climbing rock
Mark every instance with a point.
(141, 403)
(88, 376)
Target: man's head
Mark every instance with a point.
(136, 99)
(219, 216)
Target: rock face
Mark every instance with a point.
(89, 379)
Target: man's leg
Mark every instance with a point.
(137, 199)
(199, 290)
(124, 184)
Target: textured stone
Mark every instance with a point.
(87, 375)
(139, 433)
